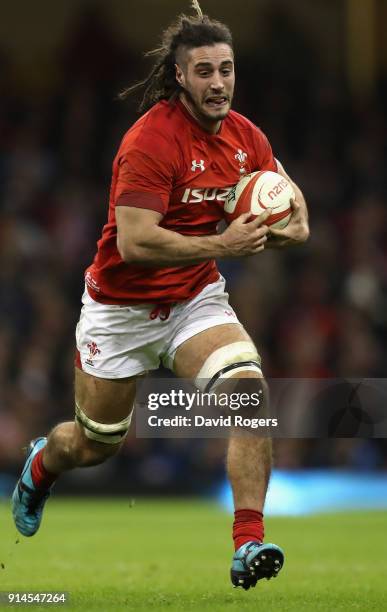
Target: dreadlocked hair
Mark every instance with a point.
(187, 32)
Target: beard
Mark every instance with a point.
(201, 113)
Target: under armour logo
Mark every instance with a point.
(197, 165)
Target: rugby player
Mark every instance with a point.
(154, 294)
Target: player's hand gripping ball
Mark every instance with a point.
(258, 191)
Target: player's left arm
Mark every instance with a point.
(297, 230)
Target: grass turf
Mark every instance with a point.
(175, 555)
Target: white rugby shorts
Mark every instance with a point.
(122, 341)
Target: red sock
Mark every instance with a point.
(248, 526)
(41, 478)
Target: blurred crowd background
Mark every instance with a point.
(313, 77)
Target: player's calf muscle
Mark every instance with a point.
(102, 421)
(59, 454)
(68, 448)
(249, 461)
(93, 453)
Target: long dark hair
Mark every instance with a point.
(187, 32)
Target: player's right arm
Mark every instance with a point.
(146, 171)
(141, 240)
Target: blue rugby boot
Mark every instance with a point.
(27, 500)
(254, 561)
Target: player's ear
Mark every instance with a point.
(179, 75)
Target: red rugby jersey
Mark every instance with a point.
(168, 163)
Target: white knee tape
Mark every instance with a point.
(112, 433)
(242, 355)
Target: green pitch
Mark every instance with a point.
(175, 555)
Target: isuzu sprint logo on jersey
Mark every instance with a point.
(195, 196)
(198, 165)
(93, 352)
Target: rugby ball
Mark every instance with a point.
(258, 191)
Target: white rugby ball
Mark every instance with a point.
(258, 191)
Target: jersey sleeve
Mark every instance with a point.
(146, 170)
(265, 157)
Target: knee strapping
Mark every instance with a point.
(227, 361)
(112, 433)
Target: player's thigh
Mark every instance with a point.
(192, 354)
(104, 400)
(224, 359)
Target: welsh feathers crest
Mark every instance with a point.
(241, 156)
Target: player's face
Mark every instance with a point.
(208, 78)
